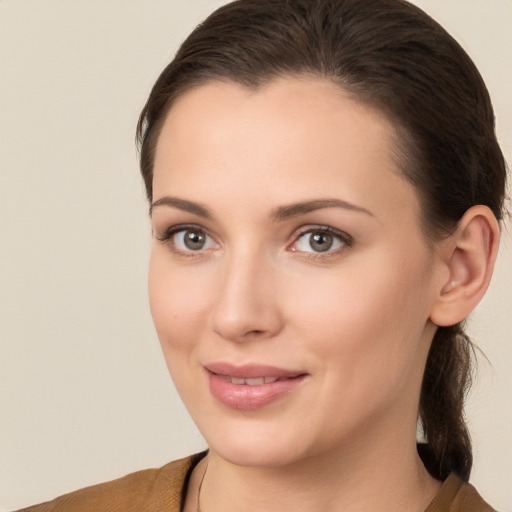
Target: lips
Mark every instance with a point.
(250, 387)
(251, 371)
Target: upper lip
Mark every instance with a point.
(250, 371)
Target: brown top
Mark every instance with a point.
(458, 496)
(162, 490)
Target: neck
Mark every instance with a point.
(381, 476)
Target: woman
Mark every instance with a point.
(325, 188)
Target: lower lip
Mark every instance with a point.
(249, 398)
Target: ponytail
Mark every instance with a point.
(447, 379)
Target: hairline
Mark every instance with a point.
(403, 151)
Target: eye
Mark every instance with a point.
(321, 240)
(190, 239)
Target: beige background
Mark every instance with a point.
(84, 392)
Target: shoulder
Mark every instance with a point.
(468, 500)
(149, 490)
(456, 495)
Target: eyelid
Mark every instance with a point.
(344, 237)
(175, 228)
(167, 235)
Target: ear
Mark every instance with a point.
(467, 258)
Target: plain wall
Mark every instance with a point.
(84, 391)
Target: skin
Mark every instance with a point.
(357, 319)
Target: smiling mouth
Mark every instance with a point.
(251, 387)
(251, 374)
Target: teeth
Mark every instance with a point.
(253, 382)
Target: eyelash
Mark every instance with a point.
(166, 237)
(344, 238)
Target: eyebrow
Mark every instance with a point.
(292, 210)
(182, 204)
(277, 214)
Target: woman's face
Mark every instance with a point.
(290, 282)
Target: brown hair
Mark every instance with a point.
(393, 56)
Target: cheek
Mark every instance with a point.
(369, 315)
(178, 302)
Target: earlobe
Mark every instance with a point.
(469, 257)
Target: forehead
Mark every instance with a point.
(290, 137)
(286, 105)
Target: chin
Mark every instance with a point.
(259, 443)
(263, 455)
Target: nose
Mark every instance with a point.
(247, 305)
